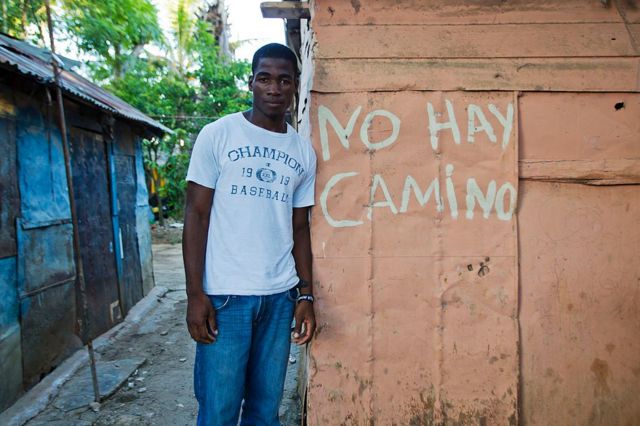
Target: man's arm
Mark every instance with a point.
(201, 318)
(304, 314)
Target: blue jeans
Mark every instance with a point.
(247, 361)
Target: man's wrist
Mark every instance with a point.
(197, 292)
(303, 285)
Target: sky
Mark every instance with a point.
(246, 25)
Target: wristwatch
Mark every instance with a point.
(305, 297)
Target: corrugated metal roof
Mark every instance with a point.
(36, 62)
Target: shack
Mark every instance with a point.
(39, 305)
(477, 227)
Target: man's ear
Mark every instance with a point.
(251, 83)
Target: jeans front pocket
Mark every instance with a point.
(219, 302)
(292, 294)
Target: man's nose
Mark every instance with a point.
(273, 88)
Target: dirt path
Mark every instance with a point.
(161, 392)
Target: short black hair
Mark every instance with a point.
(274, 50)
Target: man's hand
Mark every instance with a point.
(201, 319)
(305, 323)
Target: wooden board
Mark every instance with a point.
(131, 280)
(90, 181)
(580, 126)
(475, 41)
(592, 172)
(9, 195)
(412, 12)
(580, 303)
(634, 31)
(554, 74)
(417, 292)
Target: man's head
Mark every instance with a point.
(273, 81)
(276, 51)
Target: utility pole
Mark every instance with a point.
(81, 286)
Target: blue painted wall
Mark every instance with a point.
(42, 177)
(10, 347)
(142, 222)
(45, 256)
(37, 290)
(8, 294)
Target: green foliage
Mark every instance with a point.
(24, 19)
(174, 171)
(219, 77)
(183, 23)
(184, 96)
(113, 30)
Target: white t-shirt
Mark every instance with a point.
(259, 176)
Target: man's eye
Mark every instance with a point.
(285, 82)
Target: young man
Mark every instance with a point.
(247, 251)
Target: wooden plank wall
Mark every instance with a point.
(573, 67)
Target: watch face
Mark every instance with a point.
(266, 175)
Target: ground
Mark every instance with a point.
(160, 392)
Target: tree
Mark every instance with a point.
(24, 19)
(182, 24)
(116, 31)
(219, 77)
(184, 96)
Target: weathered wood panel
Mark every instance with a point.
(9, 314)
(591, 172)
(131, 290)
(340, 365)
(580, 303)
(11, 367)
(48, 321)
(420, 12)
(89, 164)
(10, 348)
(42, 177)
(579, 126)
(629, 10)
(634, 32)
(9, 195)
(395, 263)
(554, 74)
(418, 310)
(45, 257)
(476, 41)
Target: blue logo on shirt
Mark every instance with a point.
(266, 175)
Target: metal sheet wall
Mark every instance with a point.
(143, 229)
(579, 239)
(93, 204)
(42, 179)
(131, 278)
(45, 266)
(123, 158)
(38, 316)
(10, 198)
(419, 316)
(10, 347)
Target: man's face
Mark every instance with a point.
(273, 85)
